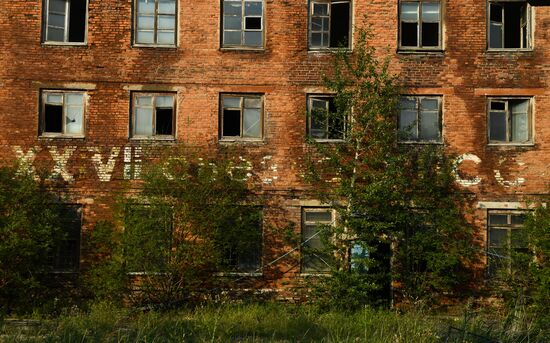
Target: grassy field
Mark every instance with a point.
(271, 322)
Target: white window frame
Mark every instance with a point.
(528, 24)
(46, 25)
(43, 101)
(135, 106)
(312, 4)
(530, 116)
(419, 29)
(242, 45)
(418, 99)
(155, 30)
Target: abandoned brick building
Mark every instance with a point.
(89, 88)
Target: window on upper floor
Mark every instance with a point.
(507, 242)
(243, 24)
(420, 25)
(241, 116)
(316, 256)
(62, 113)
(153, 115)
(509, 25)
(66, 253)
(155, 22)
(329, 24)
(509, 120)
(420, 119)
(323, 120)
(65, 21)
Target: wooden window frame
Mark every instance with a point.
(418, 99)
(310, 99)
(419, 46)
(155, 29)
(528, 24)
(329, 16)
(242, 45)
(154, 136)
(43, 101)
(243, 96)
(45, 19)
(530, 119)
(305, 223)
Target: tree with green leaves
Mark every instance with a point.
(400, 213)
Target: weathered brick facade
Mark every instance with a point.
(109, 67)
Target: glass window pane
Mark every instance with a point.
(164, 101)
(498, 219)
(56, 20)
(498, 237)
(146, 6)
(519, 106)
(144, 100)
(230, 102)
(54, 99)
(253, 38)
(232, 22)
(56, 35)
(145, 37)
(495, 33)
(518, 219)
(317, 24)
(73, 120)
(166, 22)
(146, 22)
(252, 102)
(316, 39)
(409, 11)
(166, 37)
(429, 104)
(408, 124)
(57, 5)
(167, 6)
(520, 127)
(253, 8)
(497, 124)
(407, 103)
(430, 12)
(232, 7)
(232, 37)
(318, 216)
(320, 9)
(74, 99)
(144, 122)
(429, 125)
(252, 123)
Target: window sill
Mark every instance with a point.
(237, 140)
(251, 274)
(327, 140)
(420, 142)
(155, 46)
(243, 49)
(320, 274)
(512, 145)
(145, 273)
(327, 50)
(508, 51)
(153, 139)
(66, 44)
(420, 51)
(60, 136)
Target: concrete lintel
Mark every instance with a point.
(509, 91)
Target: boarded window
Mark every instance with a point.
(155, 22)
(243, 23)
(509, 120)
(65, 20)
(153, 115)
(420, 119)
(509, 25)
(62, 113)
(241, 116)
(324, 120)
(329, 24)
(420, 24)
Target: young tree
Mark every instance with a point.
(394, 202)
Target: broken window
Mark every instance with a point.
(62, 113)
(316, 256)
(243, 24)
(420, 24)
(329, 24)
(155, 22)
(65, 20)
(66, 253)
(507, 247)
(153, 115)
(241, 116)
(509, 120)
(241, 247)
(324, 121)
(509, 25)
(420, 119)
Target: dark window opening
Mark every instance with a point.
(339, 28)
(231, 123)
(430, 34)
(241, 116)
(66, 253)
(509, 25)
(53, 118)
(420, 24)
(77, 21)
(153, 115)
(329, 25)
(66, 20)
(164, 121)
(324, 120)
(253, 23)
(509, 121)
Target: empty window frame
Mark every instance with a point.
(66, 253)
(329, 24)
(62, 113)
(420, 119)
(507, 244)
(509, 120)
(155, 22)
(65, 21)
(154, 115)
(509, 25)
(243, 23)
(420, 24)
(241, 116)
(324, 122)
(316, 256)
